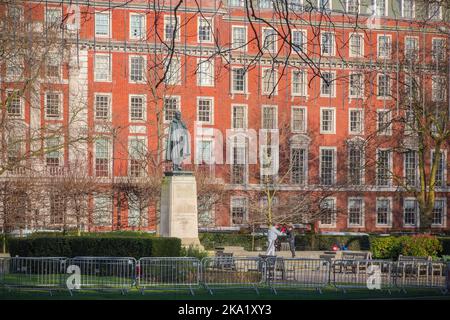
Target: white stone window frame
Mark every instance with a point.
(61, 105)
(177, 32)
(211, 29)
(413, 10)
(198, 141)
(211, 62)
(390, 166)
(333, 48)
(274, 72)
(109, 14)
(305, 163)
(333, 129)
(388, 131)
(304, 48)
(169, 77)
(47, 9)
(144, 107)
(416, 161)
(362, 93)
(305, 115)
(60, 150)
(350, 53)
(144, 69)
(334, 218)
(330, 5)
(245, 218)
(144, 26)
(95, 209)
(388, 97)
(417, 46)
(334, 164)
(131, 138)
(374, 9)
(274, 42)
(110, 156)
(211, 116)
(389, 217)
(242, 48)
(178, 98)
(436, 80)
(332, 86)
(350, 132)
(305, 83)
(346, 7)
(96, 79)
(269, 106)
(245, 120)
(417, 213)
(22, 105)
(388, 36)
(444, 160)
(363, 205)
(109, 94)
(233, 91)
(444, 214)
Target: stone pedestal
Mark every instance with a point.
(179, 208)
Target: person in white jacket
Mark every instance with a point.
(272, 235)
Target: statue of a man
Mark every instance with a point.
(177, 147)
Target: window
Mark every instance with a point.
(411, 48)
(239, 117)
(410, 123)
(137, 26)
(205, 29)
(384, 86)
(238, 210)
(269, 117)
(173, 67)
(438, 50)
(328, 84)
(204, 152)
(236, 3)
(410, 211)
(102, 27)
(356, 45)
(440, 170)
(14, 67)
(356, 119)
(410, 167)
(53, 66)
(205, 109)
(238, 80)
(327, 120)
(137, 68)
(171, 28)
(299, 83)
(384, 47)
(53, 17)
(102, 157)
(137, 108)
(53, 105)
(265, 4)
(384, 125)
(239, 163)
(295, 5)
(58, 207)
(408, 9)
(327, 43)
(102, 107)
(439, 212)
(299, 168)
(14, 104)
(171, 104)
(102, 215)
(380, 8)
(384, 212)
(133, 215)
(205, 72)
(324, 5)
(269, 81)
(411, 87)
(53, 153)
(239, 38)
(137, 151)
(438, 93)
(383, 168)
(352, 6)
(299, 41)
(15, 13)
(328, 212)
(299, 119)
(434, 11)
(355, 163)
(355, 212)
(356, 85)
(269, 40)
(102, 67)
(327, 166)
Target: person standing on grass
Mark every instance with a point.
(291, 239)
(272, 235)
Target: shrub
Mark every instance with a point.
(318, 242)
(212, 240)
(385, 247)
(420, 245)
(95, 246)
(445, 245)
(193, 252)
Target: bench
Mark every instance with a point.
(224, 261)
(354, 261)
(418, 266)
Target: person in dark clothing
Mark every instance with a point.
(291, 239)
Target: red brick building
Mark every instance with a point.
(323, 78)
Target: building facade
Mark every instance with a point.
(328, 77)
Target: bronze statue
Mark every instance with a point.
(177, 147)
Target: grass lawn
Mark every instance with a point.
(234, 294)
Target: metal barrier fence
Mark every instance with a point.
(421, 274)
(362, 274)
(232, 272)
(297, 273)
(168, 273)
(214, 273)
(33, 273)
(103, 273)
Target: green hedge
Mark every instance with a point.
(93, 234)
(392, 247)
(68, 246)
(212, 240)
(316, 242)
